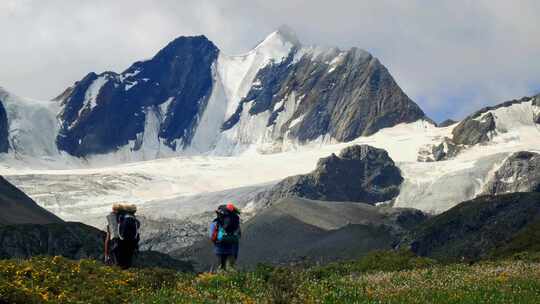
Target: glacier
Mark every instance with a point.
(183, 186)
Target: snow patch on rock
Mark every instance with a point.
(92, 93)
(32, 126)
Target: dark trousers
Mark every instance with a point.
(122, 254)
(227, 254)
(226, 261)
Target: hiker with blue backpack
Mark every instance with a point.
(122, 240)
(225, 233)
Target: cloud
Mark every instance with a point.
(452, 57)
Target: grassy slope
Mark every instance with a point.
(478, 228)
(378, 277)
(18, 208)
(527, 240)
(72, 240)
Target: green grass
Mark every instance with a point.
(526, 240)
(381, 277)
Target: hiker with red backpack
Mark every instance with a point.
(225, 233)
(122, 240)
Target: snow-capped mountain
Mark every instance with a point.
(28, 127)
(153, 100)
(504, 118)
(500, 123)
(192, 98)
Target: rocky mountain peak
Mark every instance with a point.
(284, 36)
(286, 33)
(182, 44)
(174, 85)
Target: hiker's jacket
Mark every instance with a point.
(222, 248)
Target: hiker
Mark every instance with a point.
(122, 241)
(225, 234)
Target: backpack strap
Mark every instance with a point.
(214, 230)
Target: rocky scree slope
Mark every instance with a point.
(297, 230)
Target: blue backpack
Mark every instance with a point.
(228, 229)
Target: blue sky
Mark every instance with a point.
(452, 57)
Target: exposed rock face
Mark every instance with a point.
(474, 130)
(481, 126)
(536, 103)
(103, 112)
(343, 94)
(519, 173)
(446, 123)
(477, 228)
(4, 129)
(360, 173)
(18, 208)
